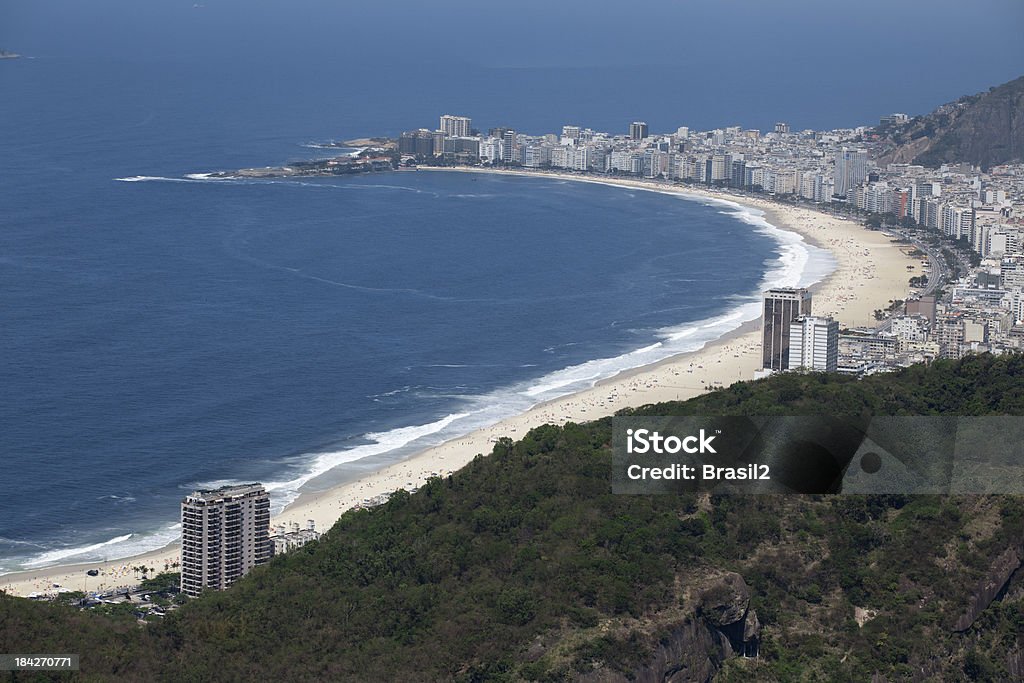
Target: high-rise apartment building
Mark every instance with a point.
(814, 344)
(638, 130)
(508, 150)
(737, 172)
(721, 167)
(781, 308)
(949, 332)
(782, 127)
(416, 143)
(956, 221)
(224, 534)
(1011, 272)
(851, 170)
(438, 142)
(456, 126)
(535, 156)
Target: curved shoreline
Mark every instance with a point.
(859, 254)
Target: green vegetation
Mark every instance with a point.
(523, 566)
(162, 582)
(895, 306)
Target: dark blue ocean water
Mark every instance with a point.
(159, 333)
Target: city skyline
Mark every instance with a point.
(838, 170)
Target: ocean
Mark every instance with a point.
(160, 333)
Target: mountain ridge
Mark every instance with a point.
(985, 129)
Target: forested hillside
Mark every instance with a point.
(524, 566)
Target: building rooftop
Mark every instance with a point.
(224, 493)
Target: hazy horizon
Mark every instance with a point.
(701, 64)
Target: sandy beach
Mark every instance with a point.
(870, 272)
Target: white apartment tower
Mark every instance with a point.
(814, 344)
(781, 308)
(508, 149)
(456, 126)
(224, 534)
(851, 170)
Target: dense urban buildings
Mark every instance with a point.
(964, 223)
(781, 308)
(224, 534)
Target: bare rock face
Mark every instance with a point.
(693, 652)
(751, 627)
(984, 129)
(1015, 663)
(536, 650)
(989, 587)
(725, 602)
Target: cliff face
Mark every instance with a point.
(990, 587)
(985, 130)
(724, 626)
(690, 653)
